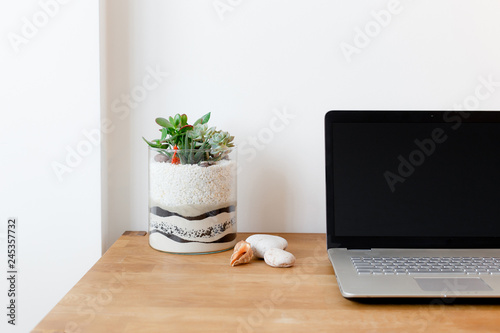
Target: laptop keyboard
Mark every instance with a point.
(426, 265)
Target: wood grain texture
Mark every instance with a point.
(134, 288)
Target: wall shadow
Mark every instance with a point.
(115, 35)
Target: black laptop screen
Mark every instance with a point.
(421, 177)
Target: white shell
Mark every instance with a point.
(279, 258)
(261, 243)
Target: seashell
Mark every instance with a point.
(279, 258)
(242, 253)
(261, 243)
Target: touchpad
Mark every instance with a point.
(452, 284)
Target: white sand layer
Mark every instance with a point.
(159, 242)
(190, 189)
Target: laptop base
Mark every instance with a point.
(426, 285)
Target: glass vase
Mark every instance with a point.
(192, 200)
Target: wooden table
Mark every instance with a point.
(134, 288)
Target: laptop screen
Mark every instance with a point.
(413, 179)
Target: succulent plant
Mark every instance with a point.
(191, 144)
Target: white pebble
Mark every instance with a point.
(279, 258)
(261, 243)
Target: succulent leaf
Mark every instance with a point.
(177, 120)
(203, 120)
(151, 144)
(184, 120)
(164, 133)
(185, 128)
(163, 122)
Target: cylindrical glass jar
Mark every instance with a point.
(192, 200)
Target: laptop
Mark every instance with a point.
(413, 203)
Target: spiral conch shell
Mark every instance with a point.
(242, 253)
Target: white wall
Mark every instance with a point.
(49, 87)
(252, 59)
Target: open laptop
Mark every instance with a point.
(413, 202)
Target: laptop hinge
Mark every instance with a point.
(356, 249)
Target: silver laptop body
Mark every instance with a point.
(413, 203)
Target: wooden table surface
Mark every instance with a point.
(134, 288)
